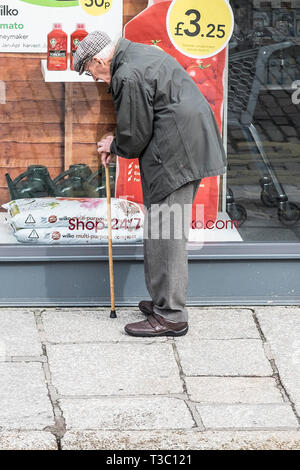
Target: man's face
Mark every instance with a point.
(99, 69)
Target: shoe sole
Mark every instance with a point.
(153, 335)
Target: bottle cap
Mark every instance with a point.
(57, 26)
(80, 26)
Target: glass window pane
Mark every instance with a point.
(263, 178)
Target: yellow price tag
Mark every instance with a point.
(200, 28)
(96, 7)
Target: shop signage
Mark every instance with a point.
(203, 58)
(96, 7)
(200, 28)
(24, 24)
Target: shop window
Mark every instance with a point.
(49, 132)
(263, 178)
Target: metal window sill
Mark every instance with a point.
(209, 251)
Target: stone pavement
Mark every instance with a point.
(72, 379)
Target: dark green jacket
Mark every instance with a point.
(162, 119)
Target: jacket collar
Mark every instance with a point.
(120, 49)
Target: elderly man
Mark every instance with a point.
(164, 120)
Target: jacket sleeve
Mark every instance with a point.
(134, 109)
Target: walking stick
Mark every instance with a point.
(111, 266)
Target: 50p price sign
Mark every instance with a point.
(200, 28)
(96, 7)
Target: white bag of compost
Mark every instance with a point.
(65, 236)
(67, 212)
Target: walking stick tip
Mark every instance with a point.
(113, 314)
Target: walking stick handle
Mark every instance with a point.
(110, 256)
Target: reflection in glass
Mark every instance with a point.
(263, 137)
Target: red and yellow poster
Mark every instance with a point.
(196, 33)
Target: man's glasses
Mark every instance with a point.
(86, 71)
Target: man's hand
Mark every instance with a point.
(105, 158)
(104, 144)
(103, 148)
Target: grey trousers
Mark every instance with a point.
(166, 229)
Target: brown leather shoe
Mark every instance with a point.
(146, 307)
(156, 325)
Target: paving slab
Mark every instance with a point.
(24, 403)
(18, 334)
(273, 416)
(27, 440)
(126, 413)
(93, 325)
(281, 327)
(114, 369)
(276, 309)
(220, 323)
(181, 440)
(224, 357)
(233, 390)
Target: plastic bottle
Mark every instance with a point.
(57, 58)
(76, 37)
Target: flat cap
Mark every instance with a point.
(90, 46)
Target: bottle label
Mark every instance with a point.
(57, 53)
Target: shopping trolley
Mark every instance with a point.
(245, 78)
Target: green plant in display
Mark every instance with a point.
(53, 3)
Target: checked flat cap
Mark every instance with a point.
(91, 45)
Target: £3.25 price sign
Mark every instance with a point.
(96, 7)
(200, 28)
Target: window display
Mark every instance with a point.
(51, 121)
(49, 137)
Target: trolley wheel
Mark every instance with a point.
(237, 212)
(268, 199)
(290, 215)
